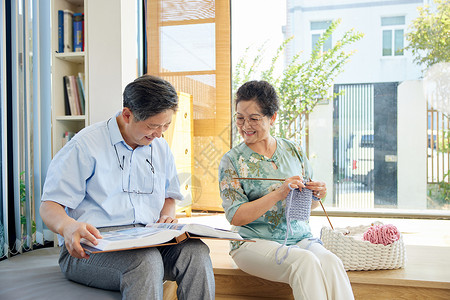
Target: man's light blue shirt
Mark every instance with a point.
(104, 182)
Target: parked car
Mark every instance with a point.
(360, 157)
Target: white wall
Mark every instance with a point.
(112, 53)
(412, 146)
(367, 65)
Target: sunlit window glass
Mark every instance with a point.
(398, 44)
(188, 45)
(317, 30)
(393, 35)
(388, 21)
(387, 42)
(314, 39)
(371, 141)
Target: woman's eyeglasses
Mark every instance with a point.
(152, 169)
(252, 120)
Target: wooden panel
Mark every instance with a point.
(210, 199)
(231, 297)
(153, 40)
(426, 276)
(210, 90)
(376, 292)
(254, 286)
(170, 290)
(179, 136)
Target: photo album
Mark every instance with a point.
(155, 235)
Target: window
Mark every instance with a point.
(372, 144)
(366, 141)
(317, 30)
(189, 45)
(393, 32)
(25, 89)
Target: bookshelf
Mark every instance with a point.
(64, 64)
(108, 62)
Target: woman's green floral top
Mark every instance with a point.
(241, 161)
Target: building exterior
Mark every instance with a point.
(365, 175)
(379, 56)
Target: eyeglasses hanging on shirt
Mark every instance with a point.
(143, 187)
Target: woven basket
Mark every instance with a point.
(359, 255)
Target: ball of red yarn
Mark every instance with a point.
(382, 234)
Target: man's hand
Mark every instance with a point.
(167, 219)
(73, 231)
(57, 220)
(167, 214)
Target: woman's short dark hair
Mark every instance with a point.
(262, 92)
(148, 96)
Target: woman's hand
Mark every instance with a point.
(296, 182)
(252, 210)
(318, 187)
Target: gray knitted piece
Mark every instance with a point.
(298, 207)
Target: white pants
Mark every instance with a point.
(313, 274)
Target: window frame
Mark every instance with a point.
(320, 31)
(394, 29)
(216, 128)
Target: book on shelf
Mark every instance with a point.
(66, 97)
(82, 29)
(81, 76)
(68, 30)
(81, 93)
(74, 87)
(60, 31)
(70, 96)
(78, 36)
(155, 235)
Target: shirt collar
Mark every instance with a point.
(114, 131)
(279, 149)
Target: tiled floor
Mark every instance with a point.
(415, 232)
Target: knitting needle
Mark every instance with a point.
(326, 214)
(280, 179)
(251, 178)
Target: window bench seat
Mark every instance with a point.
(36, 275)
(426, 276)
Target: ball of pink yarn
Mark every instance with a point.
(382, 234)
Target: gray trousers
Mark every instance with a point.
(139, 274)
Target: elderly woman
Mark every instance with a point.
(257, 207)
